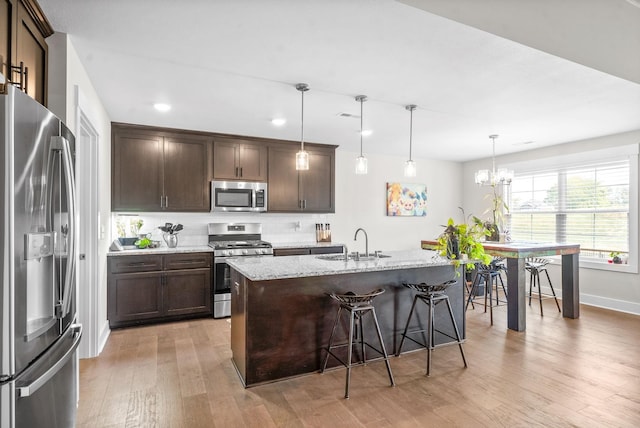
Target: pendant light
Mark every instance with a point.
(302, 157)
(410, 165)
(484, 177)
(361, 161)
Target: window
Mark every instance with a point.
(590, 202)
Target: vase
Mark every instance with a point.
(453, 248)
(171, 239)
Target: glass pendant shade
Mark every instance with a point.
(302, 157)
(410, 168)
(302, 160)
(361, 165)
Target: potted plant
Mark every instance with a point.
(463, 240)
(615, 257)
(498, 208)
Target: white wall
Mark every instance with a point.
(66, 72)
(606, 288)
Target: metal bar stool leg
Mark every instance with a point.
(349, 353)
(455, 328)
(406, 326)
(539, 292)
(333, 331)
(553, 291)
(490, 285)
(530, 285)
(384, 350)
(474, 289)
(430, 332)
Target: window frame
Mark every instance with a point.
(617, 153)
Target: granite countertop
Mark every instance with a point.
(163, 250)
(307, 244)
(268, 268)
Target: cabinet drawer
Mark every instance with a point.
(327, 250)
(290, 252)
(125, 264)
(187, 261)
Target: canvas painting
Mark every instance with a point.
(405, 199)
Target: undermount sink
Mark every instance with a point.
(340, 257)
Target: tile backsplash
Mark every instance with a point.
(276, 228)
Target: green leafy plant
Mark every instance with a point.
(464, 238)
(142, 243)
(615, 257)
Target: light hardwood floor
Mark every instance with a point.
(559, 373)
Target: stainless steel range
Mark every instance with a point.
(232, 240)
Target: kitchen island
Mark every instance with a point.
(281, 314)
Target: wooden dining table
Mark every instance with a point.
(515, 254)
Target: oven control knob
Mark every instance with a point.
(226, 253)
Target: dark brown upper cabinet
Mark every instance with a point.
(155, 170)
(310, 191)
(23, 30)
(235, 159)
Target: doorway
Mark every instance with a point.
(87, 173)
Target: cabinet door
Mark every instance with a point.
(6, 24)
(317, 184)
(253, 162)
(31, 49)
(186, 174)
(225, 160)
(137, 171)
(188, 292)
(134, 297)
(283, 180)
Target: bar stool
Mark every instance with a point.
(357, 305)
(489, 275)
(535, 266)
(431, 295)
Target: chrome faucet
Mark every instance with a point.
(366, 240)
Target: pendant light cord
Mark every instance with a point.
(361, 102)
(410, 133)
(302, 122)
(411, 108)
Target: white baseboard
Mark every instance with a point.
(598, 301)
(104, 335)
(613, 304)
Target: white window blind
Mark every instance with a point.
(586, 204)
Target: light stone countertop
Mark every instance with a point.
(163, 250)
(269, 268)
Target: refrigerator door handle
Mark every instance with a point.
(27, 390)
(62, 144)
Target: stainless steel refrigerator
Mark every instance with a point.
(38, 231)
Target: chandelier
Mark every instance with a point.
(484, 177)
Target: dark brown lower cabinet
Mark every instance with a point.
(151, 288)
(303, 251)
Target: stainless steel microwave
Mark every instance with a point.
(235, 196)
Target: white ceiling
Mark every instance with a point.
(231, 66)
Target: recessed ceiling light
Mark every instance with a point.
(278, 121)
(162, 107)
